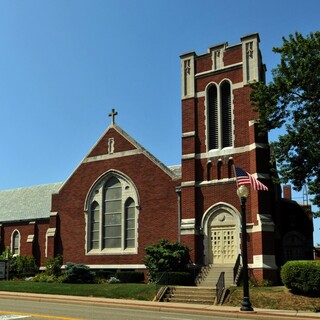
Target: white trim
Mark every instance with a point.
(188, 226)
(12, 241)
(220, 70)
(263, 261)
(207, 217)
(113, 155)
(220, 132)
(114, 266)
(50, 233)
(30, 238)
(188, 184)
(129, 190)
(188, 156)
(188, 134)
(265, 224)
(225, 151)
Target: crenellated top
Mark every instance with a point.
(220, 58)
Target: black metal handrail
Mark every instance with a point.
(236, 268)
(220, 286)
(162, 281)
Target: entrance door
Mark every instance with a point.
(223, 244)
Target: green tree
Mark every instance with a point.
(166, 256)
(291, 101)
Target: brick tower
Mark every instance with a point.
(219, 130)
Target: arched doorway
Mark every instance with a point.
(221, 227)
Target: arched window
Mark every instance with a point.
(219, 170)
(226, 121)
(112, 216)
(94, 225)
(230, 168)
(213, 131)
(219, 115)
(130, 224)
(15, 244)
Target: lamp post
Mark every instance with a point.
(243, 193)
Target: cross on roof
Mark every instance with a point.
(113, 115)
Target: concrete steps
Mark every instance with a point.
(195, 295)
(212, 275)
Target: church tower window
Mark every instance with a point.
(226, 122)
(213, 117)
(219, 112)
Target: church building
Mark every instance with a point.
(120, 198)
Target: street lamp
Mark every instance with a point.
(243, 193)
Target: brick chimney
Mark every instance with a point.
(287, 192)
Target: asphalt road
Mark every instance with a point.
(24, 309)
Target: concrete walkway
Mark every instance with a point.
(224, 311)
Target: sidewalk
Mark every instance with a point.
(224, 311)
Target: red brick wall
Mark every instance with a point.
(158, 202)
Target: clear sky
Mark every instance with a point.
(64, 64)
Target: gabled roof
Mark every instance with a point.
(174, 172)
(27, 203)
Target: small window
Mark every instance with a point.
(16, 242)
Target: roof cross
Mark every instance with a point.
(113, 115)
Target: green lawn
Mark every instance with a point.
(279, 298)
(116, 291)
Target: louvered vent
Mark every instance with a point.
(226, 115)
(213, 118)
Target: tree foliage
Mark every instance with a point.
(292, 101)
(166, 256)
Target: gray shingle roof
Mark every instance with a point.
(27, 203)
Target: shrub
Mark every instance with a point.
(174, 278)
(301, 276)
(104, 274)
(166, 256)
(53, 266)
(130, 276)
(78, 273)
(113, 280)
(43, 277)
(23, 266)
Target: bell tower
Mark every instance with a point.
(219, 130)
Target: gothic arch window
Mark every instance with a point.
(219, 170)
(209, 168)
(15, 243)
(112, 211)
(230, 168)
(226, 115)
(213, 131)
(219, 115)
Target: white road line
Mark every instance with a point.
(12, 316)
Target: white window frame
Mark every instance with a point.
(219, 116)
(96, 195)
(16, 231)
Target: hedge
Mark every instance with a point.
(301, 276)
(175, 278)
(130, 276)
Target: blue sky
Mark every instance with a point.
(64, 64)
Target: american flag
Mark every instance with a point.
(244, 177)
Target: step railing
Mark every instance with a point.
(237, 269)
(220, 286)
(161, 286)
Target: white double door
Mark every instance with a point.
(224, 245)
